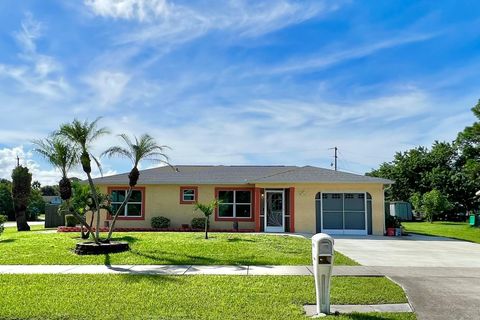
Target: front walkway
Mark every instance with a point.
(183, 270)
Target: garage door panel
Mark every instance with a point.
(332, 220)
(354, 220)
(342, 213)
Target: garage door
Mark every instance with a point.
(342, 213)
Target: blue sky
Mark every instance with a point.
(239, 82)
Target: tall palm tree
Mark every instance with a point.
(143, 148)
(82, 134)
(63, 156)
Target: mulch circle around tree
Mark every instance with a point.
(90, 248)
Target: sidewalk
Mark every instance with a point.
(183, 270)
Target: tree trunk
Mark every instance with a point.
(206, 227)
(124, 203)
(95, 200)
(21, 218)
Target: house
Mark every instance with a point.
(260, 198)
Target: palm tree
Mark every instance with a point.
(207, 210)
(63, 156)
(82, 134)
(143, 148)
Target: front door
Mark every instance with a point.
(274, 211)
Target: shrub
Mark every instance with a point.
(392, 222)
(160, 222)
(198, 223)
(70, 220)
(3, 219)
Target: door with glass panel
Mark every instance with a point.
(344, 213)
(274, 211)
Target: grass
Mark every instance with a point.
(183, 297)
(456, 230)
(44, 247)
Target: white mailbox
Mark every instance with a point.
(322, 258)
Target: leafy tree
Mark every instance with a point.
(6, 201)
(143, 148)
(21, 188)
(82, 202)
(36, 185)
(50, 190)
(36, 205)
(82, 135)
(430, 203)
(207, 210)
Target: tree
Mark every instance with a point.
(50, 190)
(6, 201)
(36, 205)
(82, 202)
(63, 155)
(82, 135)
(21, 188)
(143, 148)
(207, 210)
(431, 203)
(36, 185)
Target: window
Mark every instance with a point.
(188, 195)
(235, 204)
(133, 208)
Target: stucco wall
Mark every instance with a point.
(164, 200)
(305, 215)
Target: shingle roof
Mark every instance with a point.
(184, 174)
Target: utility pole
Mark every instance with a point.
(336, 156)
(18, 161)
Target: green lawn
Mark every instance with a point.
(39, 247)
(183, 297)
(457, 230)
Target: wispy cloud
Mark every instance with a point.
(141, 10)
(175, 23)
(325, 60)
(37, 73)
(108, 86)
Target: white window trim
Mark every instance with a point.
(125, 209)
(235, 205)
(194, 195)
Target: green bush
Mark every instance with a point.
(392, 222)
(3, 219)
(160, 222)
(70, 220)
(198, 223)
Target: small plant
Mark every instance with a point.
(3, 219)
(160, 222)
(70, 220)
(198, 223)
(392, 222)
(207, 210)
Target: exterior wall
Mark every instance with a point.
(305, 217)
(163, 200)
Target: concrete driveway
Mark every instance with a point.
(410, 251)
(441, 276)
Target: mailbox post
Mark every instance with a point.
(322, 258)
